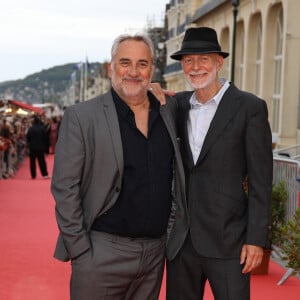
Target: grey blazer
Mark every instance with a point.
(88, 171)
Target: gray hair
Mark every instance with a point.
(138, 38)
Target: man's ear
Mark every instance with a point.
(152, 71)
(220, 61)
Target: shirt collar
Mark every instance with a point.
(124, 109)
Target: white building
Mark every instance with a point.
(267, 57)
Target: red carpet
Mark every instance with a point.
(28, 236)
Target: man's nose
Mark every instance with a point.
(133, 69)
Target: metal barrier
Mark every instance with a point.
(288, 170)
(292, 152)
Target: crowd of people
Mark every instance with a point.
(14, 146)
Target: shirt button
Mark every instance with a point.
(117, 189)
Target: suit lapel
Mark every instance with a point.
(170, 125)
(186, 135)
(227, 109)
(184, 105)
(113, 125)
(168, 122)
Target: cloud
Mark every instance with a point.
(44, 32)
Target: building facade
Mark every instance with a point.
(267, 56)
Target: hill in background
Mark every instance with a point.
(50, 85)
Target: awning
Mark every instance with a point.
(27, 106)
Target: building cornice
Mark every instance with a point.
(206, 8)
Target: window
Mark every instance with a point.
(240, 56)
(276, 97)
(258, 59)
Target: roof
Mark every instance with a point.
(27, 106)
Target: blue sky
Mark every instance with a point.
(39, 34)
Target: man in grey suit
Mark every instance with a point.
(225, 141)
(115, 163)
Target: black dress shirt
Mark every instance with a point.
(143, 207)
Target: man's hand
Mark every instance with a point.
(159, 93)
(251, 256)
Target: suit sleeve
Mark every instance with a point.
(260, 173)
(65, 186)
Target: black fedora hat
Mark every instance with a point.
(199, 41)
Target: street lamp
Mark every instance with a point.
(235, 4)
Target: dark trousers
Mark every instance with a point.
(40, 156)
(118, 268)
(188, 273)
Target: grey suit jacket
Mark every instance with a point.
(238, 144)
(88, 170)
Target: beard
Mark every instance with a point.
(201, 80)
(131, 87)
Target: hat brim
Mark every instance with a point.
(178, 55)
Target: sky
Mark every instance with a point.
(40, 34)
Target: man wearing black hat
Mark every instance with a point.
(225, 140)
